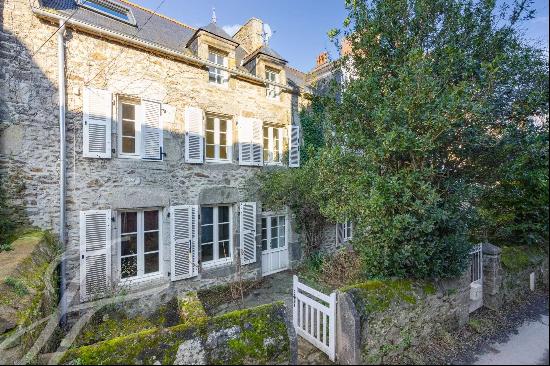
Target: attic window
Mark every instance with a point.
(110, 9)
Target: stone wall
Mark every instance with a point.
(29, 133)
(262, 335)
(378, 320)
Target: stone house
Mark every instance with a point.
(135, 135)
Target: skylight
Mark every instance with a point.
(110, 9)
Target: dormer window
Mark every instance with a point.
(217, 75)
(272, 90)
(111, 9)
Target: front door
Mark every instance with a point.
(274, 244)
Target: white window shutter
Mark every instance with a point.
(151, 130)
(97, 114)
(194, 135)
(248, 232)
(294, 149)
(95, 254)
(184, 222)
(250, 141)
(340, 233)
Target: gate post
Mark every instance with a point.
(492, 276)
(294, 292)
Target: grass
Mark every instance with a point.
(17, 286)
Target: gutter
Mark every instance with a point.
(54, 16)
(62, 154)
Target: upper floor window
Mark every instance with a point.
(272, 90)
(139, 243)
(110, 9)
(217, 75)
(215, 234)
(218, 139)
(344, 231)
(140, 132)
(273, 145)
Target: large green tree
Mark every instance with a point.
(434, 87)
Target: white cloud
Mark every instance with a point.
(231, 29)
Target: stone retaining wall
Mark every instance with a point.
(262, 335)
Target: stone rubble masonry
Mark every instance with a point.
(249, 35)
(29, 132)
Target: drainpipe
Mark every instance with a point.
(62, 153)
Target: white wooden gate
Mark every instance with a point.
(314, 317)
(476, 278)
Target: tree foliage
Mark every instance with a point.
(437, 87)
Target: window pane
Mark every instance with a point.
(211, 57)
(223, 125)
(223, 233)
(223, 214)
(264, 244)
(151, 220)
(223, 249)
(223, 152)
(274, 237)
(223, 139)
(151, 241)
(210, 152)
(207, 253)
(207, 215)
(210, 137)
(207, 234)
(128, 128)
(210, 123)
(128, 244)
(128, 267)
(274, 222)
(128, 145)
(151, 263)
(128, 111)
(128, 222)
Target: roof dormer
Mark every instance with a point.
(212, 37)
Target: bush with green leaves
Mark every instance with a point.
(435, 84)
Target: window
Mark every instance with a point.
(139, 243)
(109, 9)
(273, 232)
(216, 245)
(218, 139)
(272, 90)
(344, 232)
(273, 145)
(130, 128)
(216, 75)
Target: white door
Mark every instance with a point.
(274, 244)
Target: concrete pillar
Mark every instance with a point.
(492, 277)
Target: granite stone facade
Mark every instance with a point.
(29, 134)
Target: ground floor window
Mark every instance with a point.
(139, 243)
(273, 232)
(215, 237)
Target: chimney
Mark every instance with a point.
(346, 48)
(322, 59)
(250, 35)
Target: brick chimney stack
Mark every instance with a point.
(346, 48)
(322, 58)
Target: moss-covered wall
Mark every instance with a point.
(518, 263)
(252, 336)
(396, 315)
(30, 292)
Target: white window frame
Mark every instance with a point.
(272, 90)
(138, 122)
(272, 146)
(116, 7)
(268, 218)
(141, 276)
(218, 73)
(228, 140)
(216, 261)
(348, 226)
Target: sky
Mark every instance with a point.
(299, 26)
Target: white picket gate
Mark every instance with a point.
(476, 278)
(314, 317)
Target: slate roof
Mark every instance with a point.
(162, 31)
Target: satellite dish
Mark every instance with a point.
(267, 33)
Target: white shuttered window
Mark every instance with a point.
(184, 241)
(294, 149)
(95, 253)
(97, 115)
(194, 135)
(248, 232)
(250, 141)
